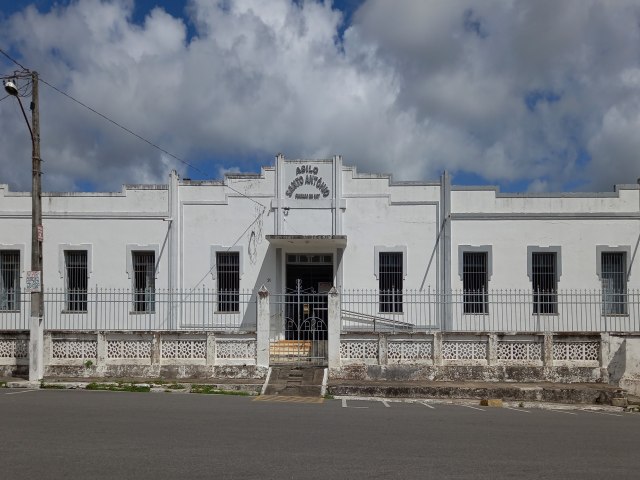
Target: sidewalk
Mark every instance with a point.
(574, 393)
(561, 393)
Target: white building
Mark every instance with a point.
(404, 257)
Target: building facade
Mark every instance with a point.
(403, 257)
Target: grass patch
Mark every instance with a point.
(211, 390)
(52, 386)
(3, 384)
(328, 396)
(120, 387)
(175, 386)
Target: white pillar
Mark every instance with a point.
(262, 328)
(333, 334)
(36, 344)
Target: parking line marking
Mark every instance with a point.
(23, 391)
(475, 408)
(385, 403)
(344, 404)
(427, 405)
(561, 411)
(601, 413)
(517, 410)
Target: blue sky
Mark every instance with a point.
(530, 96)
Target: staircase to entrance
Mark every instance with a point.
(295, 381)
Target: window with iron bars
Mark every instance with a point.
(76, 280)
(474, 282)
(614, 283)
(144, 281)
(9, 280)
(390, 276)
(544, 280)
(228, 275)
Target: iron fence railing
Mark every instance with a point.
(132, 310)
(361, 310)
(494, 310)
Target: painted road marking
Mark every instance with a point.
(475, 408)
(23, 391)
(601, 413)
(426, 405)
(561, 411)
(344, 404)
(517, 410)
(385, 403)
(287, 399)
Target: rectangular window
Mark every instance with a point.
(390, 277)
(144, 281)
(614, 283)
(76, 280)
(9, 280)
(544, 281)
(228, 275)
(474, 282)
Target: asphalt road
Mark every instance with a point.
(80, 434)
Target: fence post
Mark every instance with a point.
(382, 349)
(334, 328)
(211, 348)
(547, 354)
(101, 359)
(437, 348)
(262, 327)
(492, 358)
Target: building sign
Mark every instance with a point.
(33, 282)
(308, 181)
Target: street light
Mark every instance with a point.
(36, 323)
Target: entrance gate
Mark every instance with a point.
(304, 313)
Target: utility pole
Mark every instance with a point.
(35, 276)
(36, 324)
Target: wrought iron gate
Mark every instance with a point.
(304, 342)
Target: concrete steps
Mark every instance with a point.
(295, 381)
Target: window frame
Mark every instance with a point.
(143, 298)
(75, 299)
(391, 301)
(544, 302)
(620, 299)
(228, 301)
(10, 301)
(214, 250)
(470, 300)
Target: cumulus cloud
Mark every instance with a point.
(541, 94)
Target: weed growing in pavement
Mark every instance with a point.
(210, 389)
(88, 364)
(51, 386)
(119, 387)
(3, 384)
(175, 386)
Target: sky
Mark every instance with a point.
(531, 96)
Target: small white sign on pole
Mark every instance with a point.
(33, 283)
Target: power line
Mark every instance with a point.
(149, 142)
(129, 131)
(13, 60)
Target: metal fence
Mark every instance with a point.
(131, 310)
(493, 310)
(361, 310)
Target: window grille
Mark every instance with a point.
(544, 282)
(9, 280)
(76, 272)
(474, 282)
(228, 274)
(390, 277)
(614, 283)
(144, 281)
